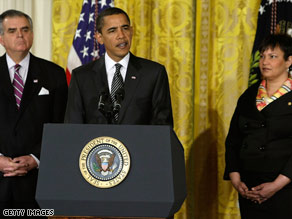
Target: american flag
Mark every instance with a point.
(85, 48)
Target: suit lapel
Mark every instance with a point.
(5, 82)
(133, 77)
(100, 79)
(32, 84)
(248, 104)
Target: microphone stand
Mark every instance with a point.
(105, 107)
(109, 109)
(119, 96)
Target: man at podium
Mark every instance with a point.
(119, 88)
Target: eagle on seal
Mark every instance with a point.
(105, 160)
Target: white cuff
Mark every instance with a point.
(37, 160)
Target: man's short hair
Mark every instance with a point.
(13, 13)
(108, 12)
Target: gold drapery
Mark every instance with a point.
(225, 32)
(205, 46)
(65, 17)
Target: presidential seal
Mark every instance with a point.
(104, 162)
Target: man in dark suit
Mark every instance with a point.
(33, 91)
(144, 90)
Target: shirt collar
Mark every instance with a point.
(109, 63)
(24, 62)
(262, 98)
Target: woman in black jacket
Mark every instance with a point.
(259, 142)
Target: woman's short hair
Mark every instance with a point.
(283, 41)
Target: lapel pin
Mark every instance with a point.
(133, 77)
(35, 81)
(289, 103)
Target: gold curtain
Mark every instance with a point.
(65, 17)
(225, 31)
(205, 46)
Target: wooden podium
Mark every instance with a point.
(155, 186)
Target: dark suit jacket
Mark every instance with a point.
(146, 101)
(260, 141)
(21, 130)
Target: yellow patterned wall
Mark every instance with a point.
(205, 46)
(225, 31)
(65, 17)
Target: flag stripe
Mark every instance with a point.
(85, 48)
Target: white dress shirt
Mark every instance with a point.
(22, 71)
(111, 68)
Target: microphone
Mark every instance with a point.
(103, 96)
(119, 95)
(104, 105)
